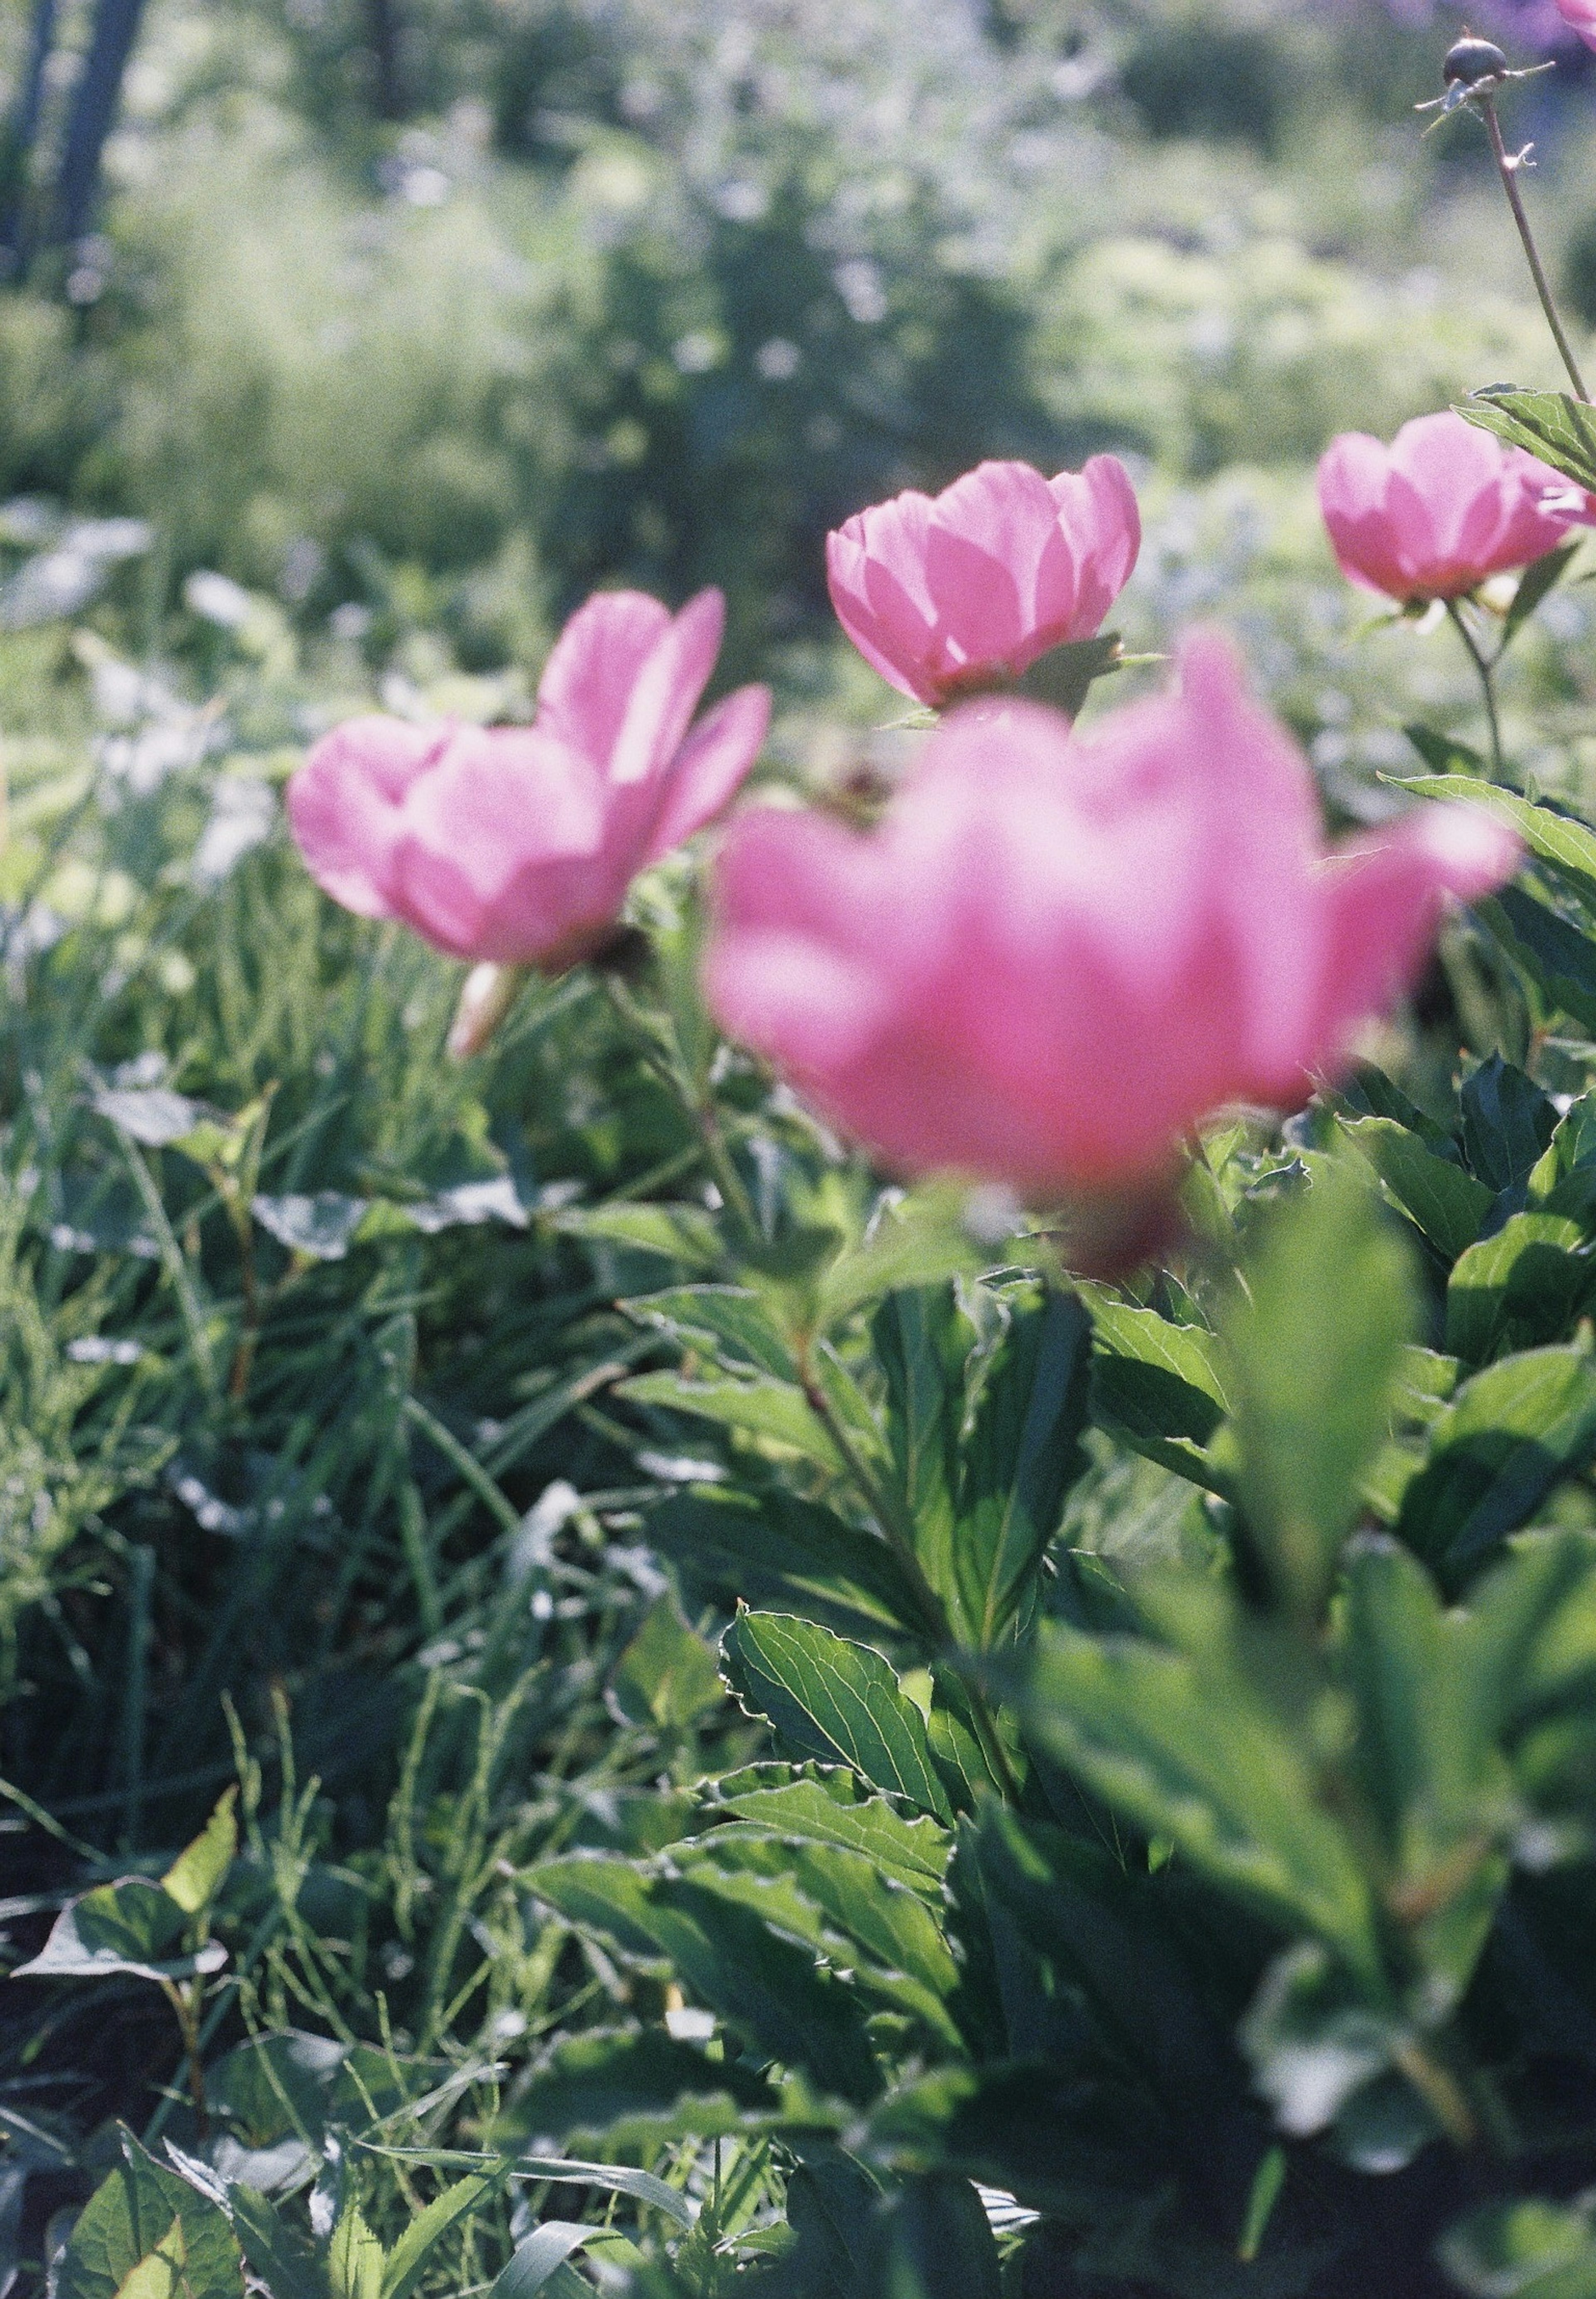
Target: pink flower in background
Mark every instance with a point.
(948, 593)
(1442, 508)
(1580, 16)
(1056, 952)
(516, 843)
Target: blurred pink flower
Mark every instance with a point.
(518, 843)
(948, 593)
(1580, 16)
(1057, 951)
(1442, 508)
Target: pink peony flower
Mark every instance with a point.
(1442, 508)
(518, 843)
(1057, 951)
(946, 594)
(1580, 16)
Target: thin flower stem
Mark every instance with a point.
(668, 1066)
(1486, 670)
(1507, 167)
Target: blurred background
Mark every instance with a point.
(414, 319)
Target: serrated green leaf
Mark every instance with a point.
(408, 2259)
(1566, 847)
(1191, 1756)
(684, 1234)
(829, 1699)
(729, 1321)
(1549, 425)
(767, 1988)
(920, 1241)
(914, 1851)
(354, 2258)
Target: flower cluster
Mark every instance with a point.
(1059, 950)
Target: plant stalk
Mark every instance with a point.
(1486, 669)
(1508, 169)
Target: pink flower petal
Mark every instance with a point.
(344, 805)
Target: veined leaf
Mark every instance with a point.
(774, 1411)
(766, 1986)
(1549, 425)
(130, 1926)
(835, 1700)
(1155, 1384)
(774, 1550)
(1194, 1758)
(196, 1876)
(1447, 1204)
(840, 1811)
(1507, 1123)
(354, 2258)
(129, 2221)
(1524, 1284)
(1493, 1456)
(1566, 847)
(408, 2259)
(1556, 956)
(729, 1321)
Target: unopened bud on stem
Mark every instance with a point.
(487, 996)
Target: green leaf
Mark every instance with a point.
(615, 2178)
(1496, 1450)
(128, 1928)
(1566, 847)
(632, 2088)
(1316, 1344)
(1063, 676)
(354, 2258)
(534, 2259)
(1444, 1203)
(686, 1234)
(775, 1412)
(408, 2256)
(1558, 959)
(933, 2241)
(1537, 582)
(922, 1341)
(1549, 424)
(764, 1985)
(779, 1552)
(729, 1321)
(1529, 2248)
(1430, 1767)
(829, 1699)
(196, 1875)
(273, 2247)
(1189, 1754)
(838, 1809)
(321, 1227)
(1526, 1284)
(1317, 2038)
(1023, 1454)
(667, 1674)
(130, 2220)
(1507, 1123)
(1156, 1385)
(922, 1241)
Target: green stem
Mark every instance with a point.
(666, 1064)
(1507, 169)
(1486, 670)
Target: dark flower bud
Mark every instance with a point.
(1469, 60)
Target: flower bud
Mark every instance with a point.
(1471, 59)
